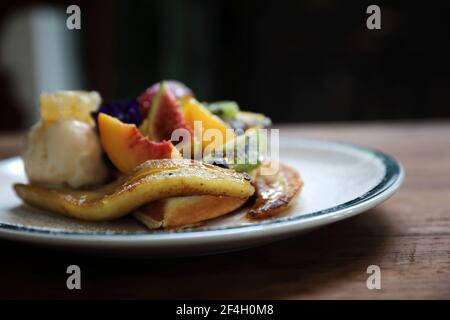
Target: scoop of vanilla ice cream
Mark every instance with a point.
(64, 152)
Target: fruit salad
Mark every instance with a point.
(164, 157)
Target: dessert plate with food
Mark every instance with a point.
(166, 174)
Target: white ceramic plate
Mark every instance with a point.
(340, 181)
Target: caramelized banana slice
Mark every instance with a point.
(152, 180)
(274, 193)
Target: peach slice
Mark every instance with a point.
(127, 148)
(194, 111)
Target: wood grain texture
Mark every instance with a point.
(408, 236)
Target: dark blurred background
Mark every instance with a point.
(297, 61)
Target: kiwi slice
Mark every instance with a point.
(223, 109)
(244, 153)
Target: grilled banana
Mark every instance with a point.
(152, 180)
(274, 193)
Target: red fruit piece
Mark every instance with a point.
(127, 147)
(165, 116)
(178, 89)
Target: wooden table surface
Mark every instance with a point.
(408, 236)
